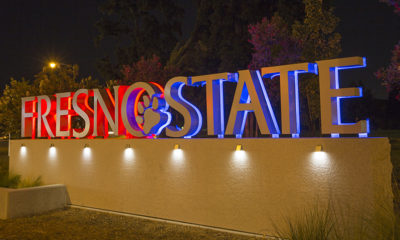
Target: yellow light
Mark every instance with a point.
(318, 148)
(176, 146)
(52, 64)
(239, 147)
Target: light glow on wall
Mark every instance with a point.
(128, 154)
(320, 160)
(22, 151)
(87, 152)
(52, 152)
(240, 159)
(177, 156)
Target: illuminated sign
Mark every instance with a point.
(142, 109)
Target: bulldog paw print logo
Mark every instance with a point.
(154, 116)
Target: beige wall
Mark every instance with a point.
(207, 182)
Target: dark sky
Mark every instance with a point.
(33, 32)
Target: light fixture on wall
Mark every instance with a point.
(127, 146)
(318, 148)
(86, 145)
(239, 147)
(51, 145)
(22, 145)
(177, 146)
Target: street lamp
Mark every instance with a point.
(52, 64)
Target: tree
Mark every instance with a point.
(59, 79)
(273, 45)
(394, 3)
(390, 76)
(10, 106)
(147, 70)
(137, 28)
(219, 41)
(49, 81)
(319, 41)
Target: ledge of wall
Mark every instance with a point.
(30, 201)
(207, 182)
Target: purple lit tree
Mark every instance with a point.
(273, 43)
(145, 70)
(394, 3)
(390, 75)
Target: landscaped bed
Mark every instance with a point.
(75, 223)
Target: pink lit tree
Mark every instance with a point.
(145, 70)
(394, 3)
(273, 45)
(390, 75)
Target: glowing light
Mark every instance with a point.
(239, 147)
(177, 146)
(335, 135)
(320, 159)
(128, 154)
(177, 155)
(87, 152)
(240, 159)
(22, 150)
(52, 64)
(52, 151)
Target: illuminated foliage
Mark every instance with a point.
(10, 106)
(390, 75)
(273, 44)
(394, 3)
(319, 41)
(219, 41)
(314, 38)
(49, 81)
(147, 70)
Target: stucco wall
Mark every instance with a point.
(30, 201)
(207, 182)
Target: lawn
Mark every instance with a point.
(73, 223)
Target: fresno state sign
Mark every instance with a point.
(141, 110)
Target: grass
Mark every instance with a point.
(315, 223)
(327, 223)
(83, 224)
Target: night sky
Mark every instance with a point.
(34, 32)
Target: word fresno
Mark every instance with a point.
(141, 109)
